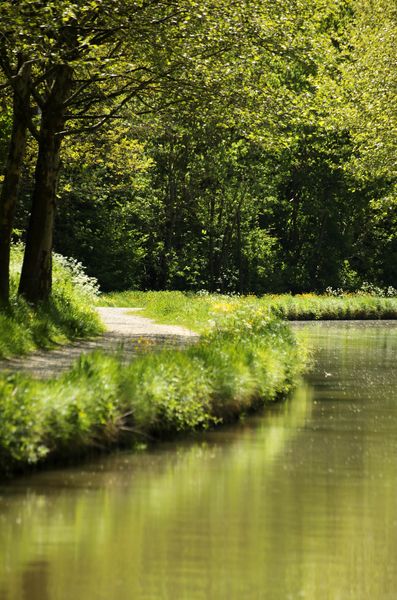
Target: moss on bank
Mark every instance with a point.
(197, 310)
(247, 359)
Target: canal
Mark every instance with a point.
(298, 502)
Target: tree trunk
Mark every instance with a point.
(12, 175)
(240, 266)
(170, 215)
(36, 277)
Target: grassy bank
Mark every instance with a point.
(197, 311)
(244, 361)
(67, 316)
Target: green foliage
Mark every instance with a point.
(104, 211)
(68, 314)
(257, 154)
(5, 130)
(213, 210)
(247, 360)
(370, 85)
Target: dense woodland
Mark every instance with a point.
(221, 145)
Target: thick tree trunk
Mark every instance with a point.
(36, 277)
(12, 175)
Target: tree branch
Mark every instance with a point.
(102, 120)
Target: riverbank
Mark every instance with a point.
(199, 310)
(246, 357)
(245, 360)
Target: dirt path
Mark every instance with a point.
(125, 332)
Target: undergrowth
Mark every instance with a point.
(67, 315)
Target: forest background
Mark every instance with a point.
(222, 146)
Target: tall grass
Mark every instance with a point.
(198, 311)
(67, 315)
(248, 358)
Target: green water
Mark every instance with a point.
(300, 502)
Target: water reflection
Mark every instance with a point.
(298, 503)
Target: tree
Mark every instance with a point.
(12, 173)
(200, 221)
(239, 107)
(89, 61)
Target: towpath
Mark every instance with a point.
(127, 332)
